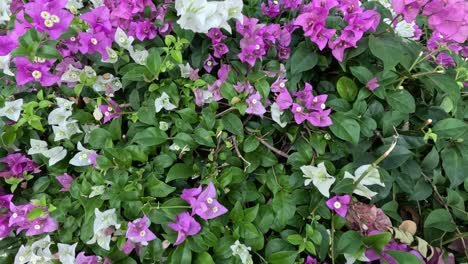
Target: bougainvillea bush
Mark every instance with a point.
(195, 131)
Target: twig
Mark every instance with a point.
(226, 111)
(275, 150)
(236, 148)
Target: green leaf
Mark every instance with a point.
(204, 258)
(350, 243)
(345, 128)
(153, 62)
(454, 165)
(263, 87)
(440, 219)
(303, 59)
(377, 242)
(284, 207)
(401, 101)
(151, 136)
(233, 124)
(361, 73)
(203, 137)
(36, 213)
(179, 171)
(444, 83)
(48, 52)
(136, 73)
(157, 188)
(282, 257)
(450, 128)
(347, 89)
(403, 257)
(98, 137)
(387, 48)
(182, 254)
(295, 239)
(227, 91)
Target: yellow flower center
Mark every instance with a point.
(215, 209)
(74, 76)
(109, 109)
(94, 41)
(45, 14)
(37, 227)
(142, 233)
(83, 156)
(208, 63)
(337, 205)
(209, 200)
(36, 74)
(323, 106)
(122, 40)
(281, 84)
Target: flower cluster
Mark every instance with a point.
(18, 216)
(63, 125)
(204, 204)
(138, 235)
(17, 166)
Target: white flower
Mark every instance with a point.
(72, 75)
(276, 115)
(12, 109)
(23, 255)
(242, 251)
(139, 56)
(174, 147)
(97, 114)
(122, 39)
(37, 146)
(64, 103)
(5, 12)
(112, 56)
(55, 154)
(65, 130)
(319, 177)
(371, 178)
(5, 64)
(234, 8)
(405, 29)
(163, 102)
(74, 5)
(185, 70)
(66, 253)
(102, 221)
(107, 83)
(90, 72)
(97, 3)
(58, 116)
(82, 158)
(97, 190)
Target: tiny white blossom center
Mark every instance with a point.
(275, 2)
(315, 100)
(48, 23)
(215, 209)
(15, 215)
(21, 258)
(45, 14)
(323, 106)
(122, 40)
(142, 233)
(298, 109)
(208, 63)
(209, 200)
(109, 109)
(257, 47)
(55, 19)
(72, 39)
(281, 84)
(36, 74)
(106, 113)
(83, 156)
(94, 41)
(37, 227)
(254, 101)
(337, 205)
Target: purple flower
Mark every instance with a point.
(220, 49)
(98, 19)
(316, 102)
(5, 200)
(408, 8)
(143, 30)
(49, 16)
(129, 246)
(284, 99)
(339, 45)
(445, 60)
(339, 204)
(17, 165)
(209, 63)
(41, 225)
(94, 42)
(28, 72)
(283, 52)
(278, 85)
(299, 114)
(138, 231)
(305, 94)
(372, 84)
(83, 259)
(320, 118)
(204, 203)
(392, 245)
(254, 105)
(19, 214)
(110, 111)
(5, 229)
(310, 260)
(185, 225)
(244, 86)
(216, 35)
(272, 9)
(215, 89)
(247, 27)
(291, 4)
(223, 72)
(65, 180)
(248, 55)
